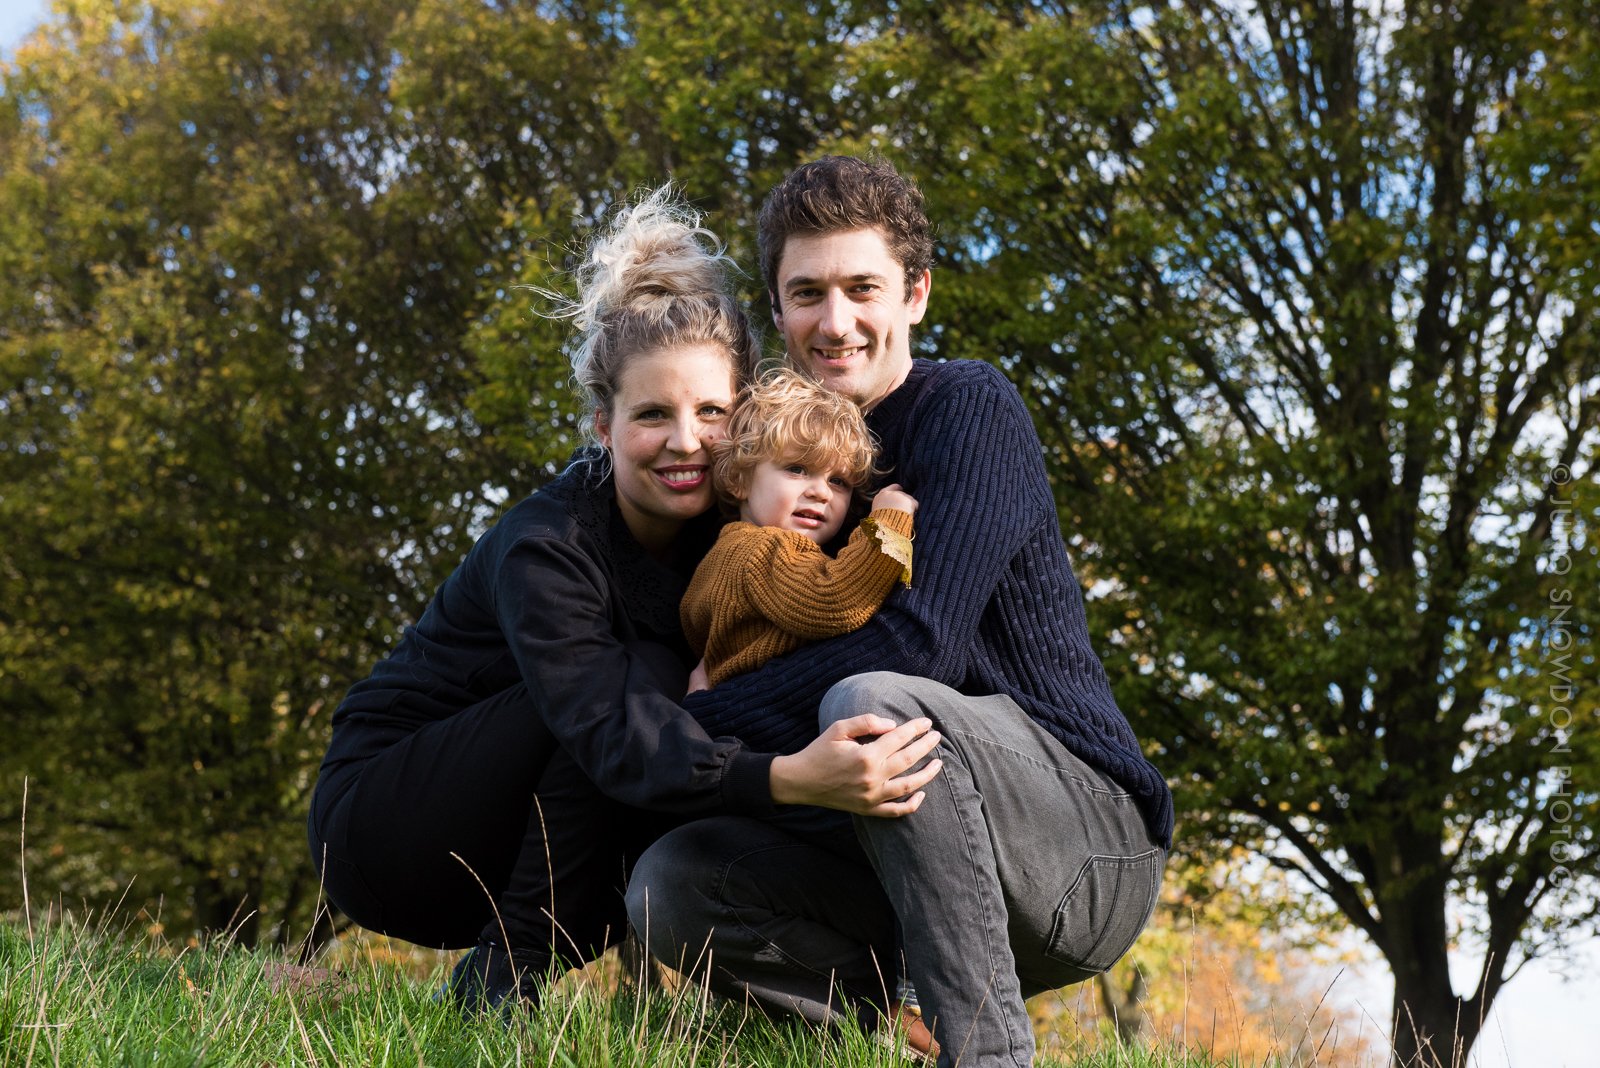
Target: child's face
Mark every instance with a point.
(793, 496)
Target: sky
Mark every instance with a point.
(17, 17)
(1544, 1018)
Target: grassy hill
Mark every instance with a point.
(76, 994)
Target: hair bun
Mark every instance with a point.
(653, 253)
(652, 279)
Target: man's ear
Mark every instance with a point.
(777, 309)
(919, 297)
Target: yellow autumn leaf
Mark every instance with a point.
(893, 544)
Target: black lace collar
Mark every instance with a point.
(648, 587)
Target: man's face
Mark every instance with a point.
(842, 310)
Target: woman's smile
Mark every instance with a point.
(683, 478)
(670, 405)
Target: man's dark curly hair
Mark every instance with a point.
(837, 193)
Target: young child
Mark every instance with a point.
(793, 460)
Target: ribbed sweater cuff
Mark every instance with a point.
(893, 518)
(747, 784)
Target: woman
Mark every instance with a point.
(490, 783)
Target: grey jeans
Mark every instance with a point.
(1023, 871)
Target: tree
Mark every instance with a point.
(264, 375)
(1303, 296)
(235, 453)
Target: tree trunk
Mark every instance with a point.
(220, 911)
(324, 929)
(1430, 1027)
(1125, 1007)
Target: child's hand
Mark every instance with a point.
(698, 679)
(896, 498)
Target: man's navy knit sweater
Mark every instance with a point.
(994, 606)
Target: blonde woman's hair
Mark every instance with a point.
(786, 418)
(654, 278)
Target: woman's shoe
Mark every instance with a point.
(485, 981)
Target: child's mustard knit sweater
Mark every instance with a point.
(762, 591)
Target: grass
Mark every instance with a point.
(76, 994)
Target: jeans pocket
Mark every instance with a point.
(1105, 909)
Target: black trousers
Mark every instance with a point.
(480, 825)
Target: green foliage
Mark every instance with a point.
(1304, 302)
(235, 453)
(1303, 299)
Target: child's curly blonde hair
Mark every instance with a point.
(786, 418)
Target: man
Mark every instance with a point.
(1036, 856)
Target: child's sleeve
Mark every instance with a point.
(973, 462)
(811, 595)
(696, 609)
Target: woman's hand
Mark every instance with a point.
(860, 765)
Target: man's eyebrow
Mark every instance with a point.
(807, 280)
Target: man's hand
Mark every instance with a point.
(867, 778)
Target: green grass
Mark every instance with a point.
(77, 995)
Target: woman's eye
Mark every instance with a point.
(647, 414)
(713, 411)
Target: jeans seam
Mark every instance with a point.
(1064, 772)
(969, 841)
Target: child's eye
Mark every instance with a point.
(795, 469)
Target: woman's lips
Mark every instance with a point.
(682, 478)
